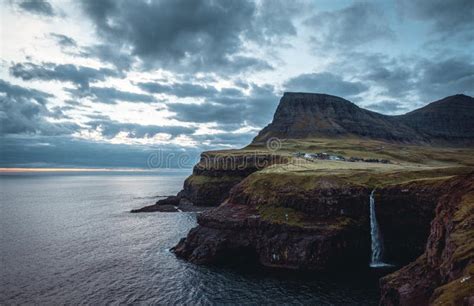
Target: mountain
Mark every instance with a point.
(312, 115)
(450, 119)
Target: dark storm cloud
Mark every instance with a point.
(179, 89)
(57, 112)
(106, 53)
(63, 40)
(260, 105)
(450, 18)
(112, 95)
(227, 95)
(198, 35)
(110, 128)
(15, 91)
(448, 71)
(109, 53)
(441, 78)
(396, 80)
(396, 77)
(24, 111)
(411, 78)
(274, 19)
(39, 7)
(207, 112)
(109, 95)
(255, 109)
(324, 82)
(351, 26)
(80, 76)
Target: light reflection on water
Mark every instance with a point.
(68, 238)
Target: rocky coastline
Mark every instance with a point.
(268, 204)
(417, 218)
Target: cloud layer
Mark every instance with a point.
(177, 34)
(81, 82)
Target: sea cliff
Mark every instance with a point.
(297, 197)
(443, 274)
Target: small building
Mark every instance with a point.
(298, 154)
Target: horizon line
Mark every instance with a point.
(19, 169)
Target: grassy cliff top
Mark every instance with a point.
(370, 176)
(409, 161)
(402, 157)
(363, 148)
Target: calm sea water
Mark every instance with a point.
(69, 238)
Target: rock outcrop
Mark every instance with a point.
(239, 230)
(212, 179)
(281, 236)
(444, 273)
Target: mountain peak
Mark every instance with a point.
(455, 103)
(307, 94)
(317, 115)
(449, 119)
(308, 97)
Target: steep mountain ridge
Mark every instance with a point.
(312, 115)
(450, 119)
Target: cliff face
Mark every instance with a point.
(314, 222)
(305, 115)
(240, 230)
(216, 174)
(444, 273)
(212, 179)
(307, 233)
(404, 212)
(323, 224)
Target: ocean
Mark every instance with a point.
(68, 238)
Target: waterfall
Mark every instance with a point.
(375, 236)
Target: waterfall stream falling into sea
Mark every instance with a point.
(375, 236)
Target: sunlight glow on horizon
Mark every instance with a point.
(18, 170)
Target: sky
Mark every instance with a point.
(149, 84)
